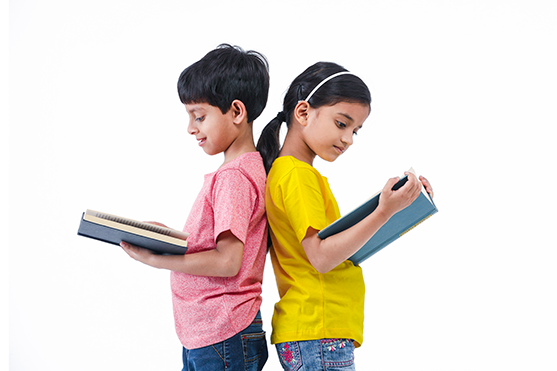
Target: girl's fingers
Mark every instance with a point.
(427, 185)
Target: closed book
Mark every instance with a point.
(115, 229)
(398, 225)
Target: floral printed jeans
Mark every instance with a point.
(317, 355)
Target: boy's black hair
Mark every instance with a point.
(225, 74)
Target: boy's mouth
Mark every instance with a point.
(201, 141)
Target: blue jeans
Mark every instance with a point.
(317, 355)
(245, 351)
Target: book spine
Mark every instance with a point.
(415, 225)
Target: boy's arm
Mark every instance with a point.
(224, 261)
(324, 255)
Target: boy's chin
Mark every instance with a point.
(209, 151)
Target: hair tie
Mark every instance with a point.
(324, 81)
(281, 116)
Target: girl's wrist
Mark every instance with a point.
(382, 215)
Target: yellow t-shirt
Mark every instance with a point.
(312, 305)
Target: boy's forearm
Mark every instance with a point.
(224, 261)
(206, 263)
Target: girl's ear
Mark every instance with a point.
(301, 112)
(239, 112)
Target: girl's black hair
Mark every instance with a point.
(225, 74)
(343, 88)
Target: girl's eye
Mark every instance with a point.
(341, 124)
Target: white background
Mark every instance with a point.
(463, 91)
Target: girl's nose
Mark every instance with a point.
(347, 139)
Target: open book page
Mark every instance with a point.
(128, 224)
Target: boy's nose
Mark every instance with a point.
(192, 129)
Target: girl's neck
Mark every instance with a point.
(294, 146)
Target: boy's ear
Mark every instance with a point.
(239, 112)
(301, 112)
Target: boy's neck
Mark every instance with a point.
(243, 143)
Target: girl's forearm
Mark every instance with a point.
(324, 255)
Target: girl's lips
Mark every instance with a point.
(339, 150)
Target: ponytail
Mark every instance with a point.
(268, 144)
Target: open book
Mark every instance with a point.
(115, 229)
(399, 224)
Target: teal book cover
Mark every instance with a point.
(398, 225)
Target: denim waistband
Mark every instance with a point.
(258, 319)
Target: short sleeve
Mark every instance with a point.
(234, 198)
(304, 201)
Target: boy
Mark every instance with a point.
(216, 285)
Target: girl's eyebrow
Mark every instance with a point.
(346, 115)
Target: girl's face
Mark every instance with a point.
(330, 130)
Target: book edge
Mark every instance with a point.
(134, 230)
(148, 226)
(90, 230)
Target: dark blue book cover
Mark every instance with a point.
(399, 224)
(113, 229)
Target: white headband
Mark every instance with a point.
(324, 81)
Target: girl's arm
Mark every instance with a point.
(224, 261)
(326, 254)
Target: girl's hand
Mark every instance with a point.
(427, 185)
(391, 202)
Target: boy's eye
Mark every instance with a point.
(199, 119)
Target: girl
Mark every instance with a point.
(319, 318)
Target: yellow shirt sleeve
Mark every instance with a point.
(303, 197)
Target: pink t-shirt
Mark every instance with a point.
(208, 310)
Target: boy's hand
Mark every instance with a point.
(157, 223)
(427, 185)
(138, 253)
(391, 202)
